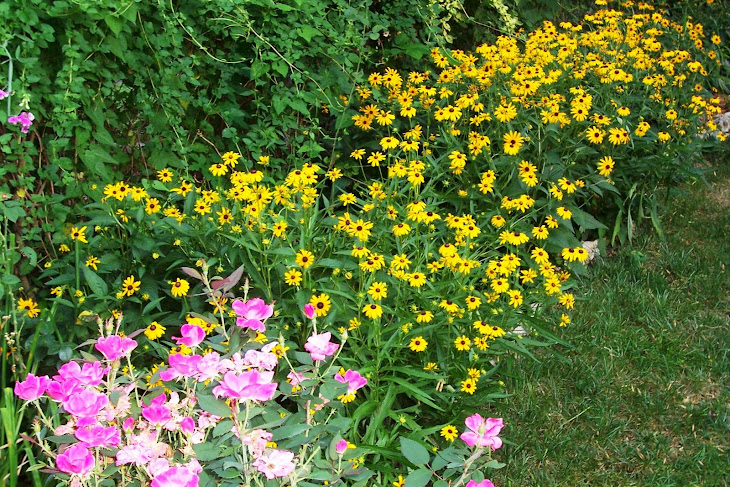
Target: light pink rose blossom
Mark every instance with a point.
(251, 313)
(176, 477)
(76, 459)
(192, 335)
(353, 379)
(483, 483)
(483, 432)
(114, 346)
(319, 346)
(251, 385)
(99, 436)
(275, 463)
(90, 374)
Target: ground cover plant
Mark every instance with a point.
(438, 240)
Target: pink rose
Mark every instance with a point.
(32, 387)
(192, 336)
(251, 385)
(309, 311)
(176, 477)
(275, 463)
(114, 346)
(99, 436)
(483, 483)
(252, 313)
(319, 346)
(76, 459)
(483, 432)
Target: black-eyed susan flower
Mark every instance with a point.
(469, 386)
(418, 344)
(462, 343)
(165, 175)
(321, 304)
(449, 432)
(378, 291)
(29, 306)
(130, 286)
(180, 287)
(92, 262)
(304, 259)
(372, 311)
(79, 234)
(154, 331)
(152, 206)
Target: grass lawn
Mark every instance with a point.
(642, 395)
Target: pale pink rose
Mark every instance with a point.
(85, 404)
(158, 466)
(251, 385)
(61, 390)
(483, 483)
(341, 447)
(192, 335)
(76, 459)
(91, 374)
(295, 378)
(181, 366)
(99, 436)
(138, 454)
(114, 346)
(275, 463)
(157, 413)
(260, 360)
(208, 367)
(256, 441)
(251, 313)
(176, 477)
(319, 346)
(353, 380)
(483, 432)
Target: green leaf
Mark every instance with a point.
(306, 32)
(418, 478)
(115, 24)
(206, 452)
(96, 284)
(586, 221)
(290, 430)
(214, 406)
(414, 451)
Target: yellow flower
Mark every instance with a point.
(165, 175)
(304, 259)
(180, 287)
(130, 286)
(321, 304)
(152, 206)
(462, 343)
(373, 311)
(218, 169)
(57, 291)
(79, 234)
(29, 306)
(154, 330)
(92, 262)
(469, 386)
(293, 277)
(449, 432)
(418, 344)
(378, 291)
